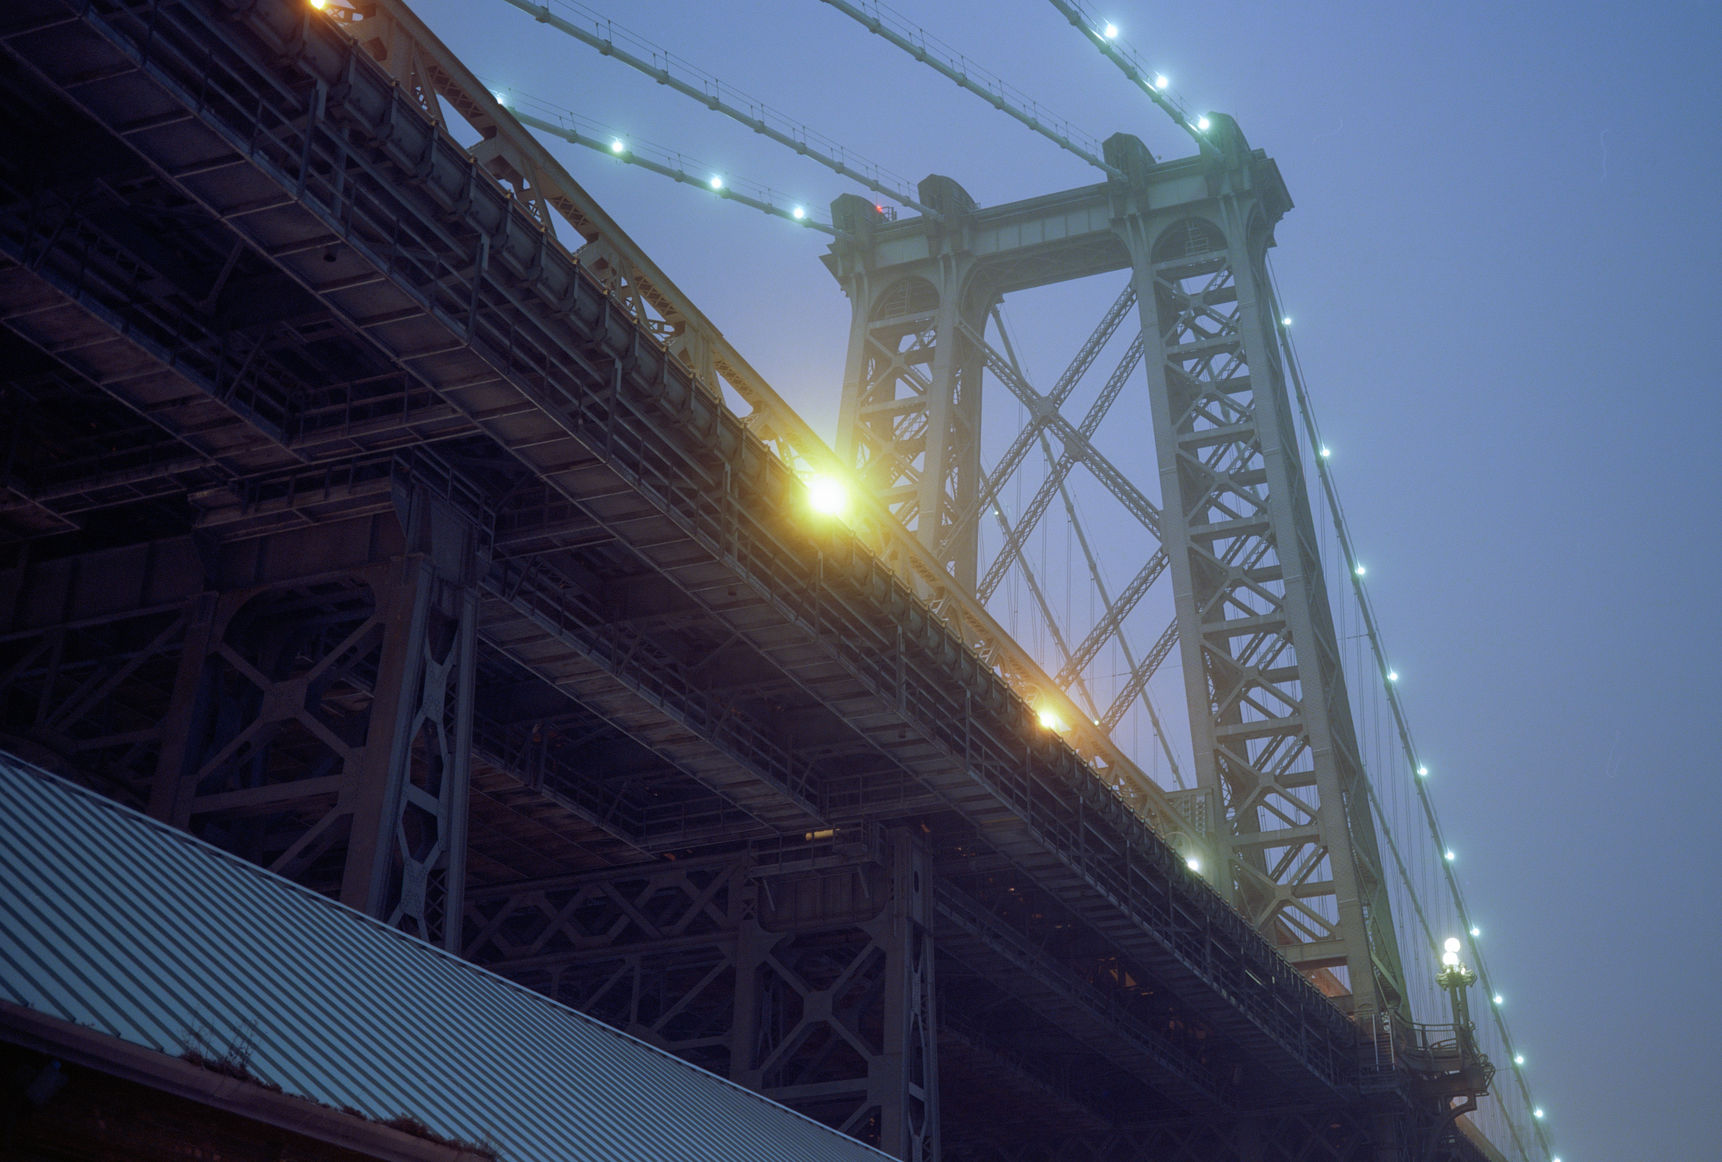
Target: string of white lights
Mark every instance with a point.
(1390, 690)
(666, 68)
(1108, 38)
(578, 130)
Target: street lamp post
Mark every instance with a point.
(1456, 977)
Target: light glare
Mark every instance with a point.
(1160, 81)
(1452, 945)
(1285, 320)
(618, 146)
(1202, 123)
(716, 183)
(1538, 1112)
(1475, 932)
(1422, 772)
(1499, 999)
(798, 213)
(1050, 721)
(1449, 856)
(1325, 453)
(1360, 570)
(1193, 864)
(1518, 1059)
(1393, 675)
(1111, 31)
(827, 496)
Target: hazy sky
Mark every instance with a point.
(1504, 264)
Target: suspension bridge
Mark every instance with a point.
(984, 786)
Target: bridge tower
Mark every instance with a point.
(1271, 725)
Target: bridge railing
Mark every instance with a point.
(1394, 1053)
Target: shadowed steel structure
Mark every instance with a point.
(118, 929)
(360, 527)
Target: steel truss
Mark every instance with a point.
(808, 977)
(669, 661)
(1270, 721)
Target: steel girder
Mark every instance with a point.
(1270, 722)
(438, 272)
(806, 974)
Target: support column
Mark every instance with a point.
(1270, 720)
(322, 714)
(910, 418)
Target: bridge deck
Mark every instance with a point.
(647, 564)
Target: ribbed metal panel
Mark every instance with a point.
(119, 923)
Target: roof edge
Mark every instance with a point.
(245, 1098)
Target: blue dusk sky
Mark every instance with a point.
(1503, 265)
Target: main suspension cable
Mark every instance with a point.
(1104, 36)
(571, 127)
(598, 31)
(1372, 630)
(893, 27)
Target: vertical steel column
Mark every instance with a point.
(322, 719)
(1270, 719)
(910, 417)
(844, 1025)
(907, 1085)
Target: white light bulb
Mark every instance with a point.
(1475, 932)
(1360, 570)
(1518, 1059)
(1393, 675)
(1452, 944)
(1538, 1112)
(1285, 320)
(1422, 772)
(1448, 855)
(1325, 453)
(1499, 999)
(1450, 959)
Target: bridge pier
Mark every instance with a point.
(302, 699)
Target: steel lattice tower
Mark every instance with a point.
(1271, 724)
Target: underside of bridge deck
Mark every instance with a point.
(348, 524)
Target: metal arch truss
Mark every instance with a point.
(806, 977)
(1270, 725)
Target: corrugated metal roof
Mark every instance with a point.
(119, 923)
